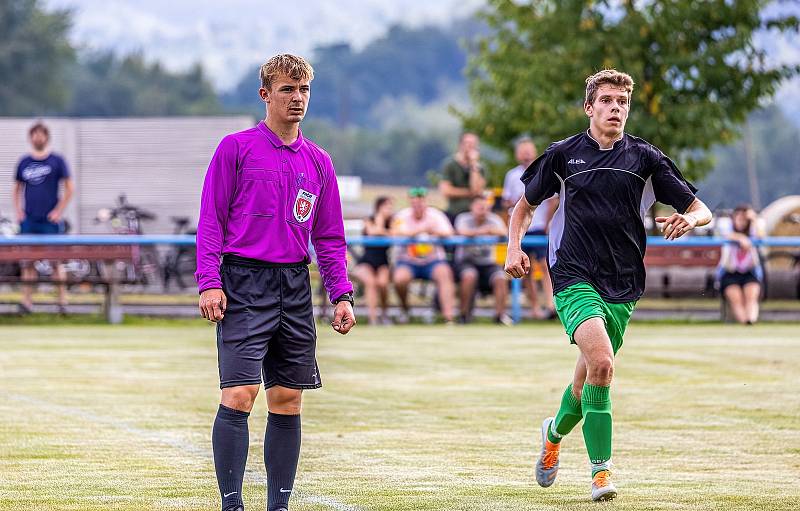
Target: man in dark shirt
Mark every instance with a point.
(39, 209)
(463, 176)
(606, 181)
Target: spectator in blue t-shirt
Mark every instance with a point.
(39, 208)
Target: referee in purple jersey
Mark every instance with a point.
(268, 190)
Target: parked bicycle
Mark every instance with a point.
(180, 262)
(126, 219)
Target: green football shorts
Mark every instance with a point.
(580, 301)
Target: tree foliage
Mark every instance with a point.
(697, 68)
(415, 62)
(105, 85)
(381, 111)
(34, 53)
(395, 155)
(41, 75)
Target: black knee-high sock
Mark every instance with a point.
(230, 440)
(281, 452)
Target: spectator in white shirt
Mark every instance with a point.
(513, 188)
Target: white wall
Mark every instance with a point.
(159, 163)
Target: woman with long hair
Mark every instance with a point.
(372, 269)
(740, 265)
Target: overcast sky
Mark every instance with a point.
(229, 37)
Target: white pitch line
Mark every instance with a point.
(328, 502)
(250, 475)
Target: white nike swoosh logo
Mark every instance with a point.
(228, 494)
(286, 491)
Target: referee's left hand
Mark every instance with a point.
(343, 317)
(213, 304)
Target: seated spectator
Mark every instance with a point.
(372, 268)
(740, 265)
(477, 264)
(513, 189)
(424, 260)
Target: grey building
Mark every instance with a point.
(158, 163)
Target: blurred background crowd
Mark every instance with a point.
(430, 112)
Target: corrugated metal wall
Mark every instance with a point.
(158, 163)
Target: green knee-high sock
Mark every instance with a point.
(568, 416)
(596, 404)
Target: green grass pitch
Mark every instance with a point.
(707, 417)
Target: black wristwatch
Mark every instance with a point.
(347, 297)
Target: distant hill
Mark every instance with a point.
(230, 37)
(426, 64)
(229, 42)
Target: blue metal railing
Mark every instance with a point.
(377, 241)
(98, 239)
(367, 241)
(541, 241)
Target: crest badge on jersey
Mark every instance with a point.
(303, 205)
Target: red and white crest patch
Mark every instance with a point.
(303, 205)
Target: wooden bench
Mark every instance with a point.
(108, 254)
(674, 258)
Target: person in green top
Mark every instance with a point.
(463, 176)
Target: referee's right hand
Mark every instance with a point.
(212, 304)
(517, 263)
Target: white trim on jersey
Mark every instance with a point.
(606, 168)
(557, 225)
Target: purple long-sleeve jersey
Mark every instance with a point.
(263, 199)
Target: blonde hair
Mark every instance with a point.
(286, 64)
(607, 77)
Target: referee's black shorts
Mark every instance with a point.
(268, 333)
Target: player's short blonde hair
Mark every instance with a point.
(296, 68)
(607, 77)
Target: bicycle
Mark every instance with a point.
(127, 219)
(180, 262)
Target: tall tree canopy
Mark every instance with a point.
(34, 53)
(697, 68)
(414, 62)
(42, 76)
(103, 84)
